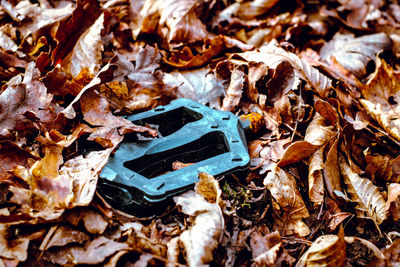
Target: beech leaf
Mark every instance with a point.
(369, 201)
(272, 55)
(382, 98)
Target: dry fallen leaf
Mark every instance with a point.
(283, 188)
(272, 55)
(235, 90)
(354, 54)
(370, 203)
(200, 85)
(205, 233)
(326, 250)
(381, 98)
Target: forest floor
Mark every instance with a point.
(319, 79)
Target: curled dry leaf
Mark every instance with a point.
(175, 20)
(208, 188)
(326, 250)
(318, 132)
(382, 98)
(97, 112)
(369, 201)
(200, 85)
(235, 89)
(70, 30)
(205, 233)
(185, 59)
(28, 95)
(354, 54)
(88, 49)
(284, 190)
(393, 201)
(297, 151)
(272, 55)
(250, 10)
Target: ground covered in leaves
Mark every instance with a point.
(324, 180)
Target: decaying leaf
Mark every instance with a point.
(354, 54)
(370, 203)
(382, 99)
(283, 188)
(326, 250)
(235, 89)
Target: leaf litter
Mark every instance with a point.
(322, 77)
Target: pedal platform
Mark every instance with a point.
(139, 178)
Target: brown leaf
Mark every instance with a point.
(258, 71)
(177, 20)
(94, 222)
(272, 55)
(33, 17)
(370, 203)
(297, 151)
(315, 177)
(59, 236)
(87, 52)
(281, 82)
(268, 250)
(235, 89)
(250, 10)
(200, 85)
(70, 30)
(11, 157)
(284, 190)
(93, 252)
(185, 59)
(332, 170)
(28, 95)
(354, 54)
(205, 233)
(326, 250)
(382, 99)
(393, 201)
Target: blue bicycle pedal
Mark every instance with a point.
(139, 176)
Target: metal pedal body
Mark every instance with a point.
(138, 177)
